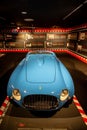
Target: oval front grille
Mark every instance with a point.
(40, 102)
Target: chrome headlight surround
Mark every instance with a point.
(16, 94)
(64, 95)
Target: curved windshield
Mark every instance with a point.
(41, 52)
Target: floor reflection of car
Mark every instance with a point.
(40, 82)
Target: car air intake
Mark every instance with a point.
(40, 102)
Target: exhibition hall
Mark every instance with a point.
(43, 65)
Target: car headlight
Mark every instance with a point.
(16, 94)
(64, 95)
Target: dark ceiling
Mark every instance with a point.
(43, 13)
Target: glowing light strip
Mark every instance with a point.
(81, 58)
(77, 56)
(73, 11)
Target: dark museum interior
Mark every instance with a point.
(43, 65)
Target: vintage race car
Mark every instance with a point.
(40, 82)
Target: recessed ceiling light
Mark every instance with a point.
(24, 12)
(28, 20)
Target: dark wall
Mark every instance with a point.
(33, 39)
(77, 40)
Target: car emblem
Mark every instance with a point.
(40, 87)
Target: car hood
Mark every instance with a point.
(40, 69)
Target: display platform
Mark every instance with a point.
(67, 118)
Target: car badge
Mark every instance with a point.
(40, 87)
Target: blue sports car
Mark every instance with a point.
(40, 82)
